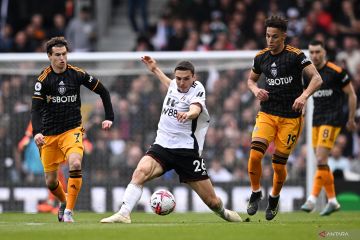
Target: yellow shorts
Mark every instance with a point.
(58, 147)
(283, 131)
(324, 136)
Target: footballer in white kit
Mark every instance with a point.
(178, 145)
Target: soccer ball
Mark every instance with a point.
(162, 202)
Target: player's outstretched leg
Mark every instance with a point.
(206, 192)
(330, 208)
(253, 204)
(272, 208)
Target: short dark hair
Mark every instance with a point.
(317, 43)
(277, 22)
(185, 66)
(56, 42)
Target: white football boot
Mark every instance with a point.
(231, 216)
(116, 218)
(68, 216)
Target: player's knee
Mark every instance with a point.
(280, 171)
(257, 151)
(75, 164)
(75, 161)
(51, 183)
(279, 168)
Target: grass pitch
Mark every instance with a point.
(192, 226)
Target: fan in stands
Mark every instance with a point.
(162, 202)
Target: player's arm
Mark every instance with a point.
(36, 119)
(106, 100)
(96, 86)
(315, 82)
(259, 93)
(194, 112)
(349, 91)
(152, 66)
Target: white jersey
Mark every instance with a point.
(190, 134)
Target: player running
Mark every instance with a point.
(56, 119)
(327, 120)
(282, 102)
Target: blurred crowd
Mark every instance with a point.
(199, 25)
(191, 25)
(29, 33)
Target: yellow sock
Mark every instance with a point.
(254, 165)
(278, 178)
(329, 185)
(74, 186)
(319, 179)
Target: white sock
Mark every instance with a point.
(256, 191)
(333, 200)
(131, 197)
(312, 199)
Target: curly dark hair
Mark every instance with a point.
(56, 42)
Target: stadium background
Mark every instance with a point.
(170, 25)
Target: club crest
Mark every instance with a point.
(273, 69)
(62, 88)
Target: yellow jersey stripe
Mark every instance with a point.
(76, 68)
(334, 67)
(44, 74)
(262, 51)
(292, 49)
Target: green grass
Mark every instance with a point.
(192, 226)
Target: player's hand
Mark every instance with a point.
(182, 116)
(39, 139)
(351, 125)
(106, 125)
(262, 94)
(149, 62)
(299, 104)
